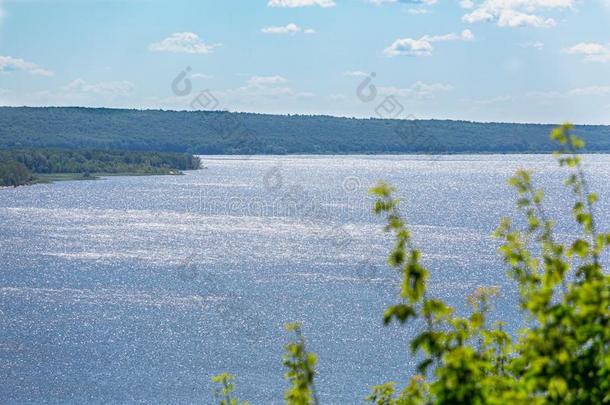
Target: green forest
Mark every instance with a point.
(20, 166)
(218, 132)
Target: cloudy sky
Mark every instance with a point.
(483, 60)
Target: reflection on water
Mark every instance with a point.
(140, 288)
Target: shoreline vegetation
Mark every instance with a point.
(46, 144)
(33, 166)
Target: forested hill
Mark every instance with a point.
(211, 132)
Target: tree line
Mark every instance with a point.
(221, 132)
(19, 166)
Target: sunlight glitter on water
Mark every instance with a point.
(136, 289)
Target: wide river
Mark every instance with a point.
(138, 289)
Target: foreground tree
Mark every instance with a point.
(563, 357)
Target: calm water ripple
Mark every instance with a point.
(138, 289)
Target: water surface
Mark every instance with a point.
(138, 289)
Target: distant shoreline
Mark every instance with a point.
(51, 178)
(542, 153)
(30, 166)
(229, 133)
(60, 177)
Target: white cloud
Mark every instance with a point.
(201, 76)
(116, 88)
(533, 44)
(514, 13)
(78, 93)
(410, 2)
(301, 3)
(262, 81)
(422, 6)
(419, 90)
(418, 11)
(355, 73)
(590, 91)
(512, 18)
(265, 87)
(285, 29)
(466, 35)
(591, 51)
(182, 42)
(423, 46)
(10, 64)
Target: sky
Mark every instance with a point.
(490, 60)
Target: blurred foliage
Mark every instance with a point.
(301, 366)
(225, 391)
(562, 357)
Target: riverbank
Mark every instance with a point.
(51, 178)
(31, 166)
(56, 177)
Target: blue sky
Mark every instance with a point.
(490, 60)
